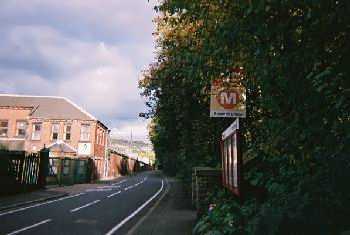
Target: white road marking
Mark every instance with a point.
(113, 194)
(109, 186)
(99, 190)
(30, 227)
(39, 204)
(118, 226)
(119, 182)
(86, 205)
(131, 186)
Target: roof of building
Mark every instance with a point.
(51, 107)
(61, 147)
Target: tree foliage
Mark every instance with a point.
(296, 58)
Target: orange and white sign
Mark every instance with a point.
(227, 100)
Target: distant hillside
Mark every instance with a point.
(136, 143)
(140, 148)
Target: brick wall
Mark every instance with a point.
(131, 164)
(12, 115)
(46, 133)
(115, 168)
(98, 134)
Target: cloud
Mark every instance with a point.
(89, 51)
(115, 21)
(91, 73)
(22, 82)
(134, 128)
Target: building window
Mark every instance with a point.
(21, 127)
(3, 128)
(36, 131)
(67, 132)
(85, 132)
(55, 131)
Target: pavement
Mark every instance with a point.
(170, 214)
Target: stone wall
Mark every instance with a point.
(204, 181)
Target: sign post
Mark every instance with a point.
(228, 99)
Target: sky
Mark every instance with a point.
(90, 51)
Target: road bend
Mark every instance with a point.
(108, 209)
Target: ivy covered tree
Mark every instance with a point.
(296, 58)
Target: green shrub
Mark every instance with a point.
(224, 217)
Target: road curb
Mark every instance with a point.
(43, 199)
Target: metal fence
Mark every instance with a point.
(21, 172)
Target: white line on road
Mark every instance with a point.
(127, 188)
(40, 204)
(113, 194)
(86, 205)
(119, 182)
(30, 227)
(99, 190)
(109, 186)
(133, 186)
(118, 226)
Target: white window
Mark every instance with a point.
(4, 124)
(55, 131)
(36, 131)
(21, 127)
(67, 132)
(85, 132)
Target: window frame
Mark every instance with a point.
(57, 131)
(18, 128)
(82, 132)
(67, 132)
(35, 131)
(4, 128)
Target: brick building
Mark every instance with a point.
(28, 123)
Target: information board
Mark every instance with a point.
(231, 158)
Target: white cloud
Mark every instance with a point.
(92, 74)
(138, 129)
(87, 50)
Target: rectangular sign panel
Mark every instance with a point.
(227, 99)
(84, 148)
(229, 131)
(231, 159)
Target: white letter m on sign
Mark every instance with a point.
(225, 99)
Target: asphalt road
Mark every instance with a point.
(108, 209)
